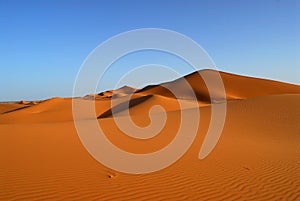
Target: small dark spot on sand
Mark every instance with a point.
(111, 175)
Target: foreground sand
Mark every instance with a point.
(256, 158)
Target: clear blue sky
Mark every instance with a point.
(43, 43)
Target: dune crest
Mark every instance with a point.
(236, 86)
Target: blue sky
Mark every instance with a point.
(44, 43)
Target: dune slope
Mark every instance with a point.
(256, 158)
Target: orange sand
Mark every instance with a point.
(256, 158)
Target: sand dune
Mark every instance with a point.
(236, 87)
(256, 158)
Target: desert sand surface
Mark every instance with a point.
(257, 156)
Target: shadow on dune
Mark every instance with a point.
(21, 108)
(123, 106)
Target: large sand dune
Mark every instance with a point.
(237, 87)
(256, 158)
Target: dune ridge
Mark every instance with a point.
(236, 86)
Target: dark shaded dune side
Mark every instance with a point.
(123, 106)
(8, 107)
(16, 109)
